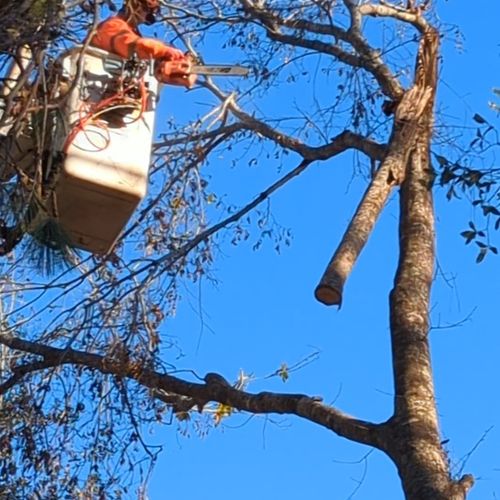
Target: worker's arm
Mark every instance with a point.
(116, 36)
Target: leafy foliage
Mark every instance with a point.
(480, 185)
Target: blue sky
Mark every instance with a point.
(262, 312)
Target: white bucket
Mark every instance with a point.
(105, 173)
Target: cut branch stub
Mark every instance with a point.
(330, 293)
(390, 174)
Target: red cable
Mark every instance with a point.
(119, 98)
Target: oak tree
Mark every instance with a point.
(84, 349)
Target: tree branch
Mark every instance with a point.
(224, 130)
(270, 19)
(421, 461)
(10, 237)
(215, 388)
(364, 56)
(19, 372)
(371, 58)
(329, 291)
(384, 9)
(342, 142)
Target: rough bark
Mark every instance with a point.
(330, 289)
(214, 388)
(414, 441)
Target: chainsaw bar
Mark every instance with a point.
(219, 70)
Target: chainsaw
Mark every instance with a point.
(199, 68)
(219, 70)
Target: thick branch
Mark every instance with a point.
(329, 290)
(411, 16)
(415, 406)
(326, 48)
(363, 55)
(270, 19)
(340, 143)
(21, 371)
(215, 388)
(371, 58)
(272, 24)
(414, 440)
(410, 296)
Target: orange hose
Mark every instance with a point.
(114, 100)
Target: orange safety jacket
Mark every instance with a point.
(115, 35)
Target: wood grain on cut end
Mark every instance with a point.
(328, 295)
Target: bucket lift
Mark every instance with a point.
(110, 111)
(103, 144)
(108, 114)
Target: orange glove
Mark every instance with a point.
(175, 72)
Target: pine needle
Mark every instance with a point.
(49, 250)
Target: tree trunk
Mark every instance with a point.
(414, 441)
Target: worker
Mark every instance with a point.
(120, 35)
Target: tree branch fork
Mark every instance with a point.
(182, 395)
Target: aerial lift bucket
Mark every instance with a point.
(107, 154)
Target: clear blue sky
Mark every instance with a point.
(262, 313)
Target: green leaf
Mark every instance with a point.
(489, 209)
(283, 372)
(479, 119)
(468, 235)
(441, 160)
(447, 175)
(481, 255)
